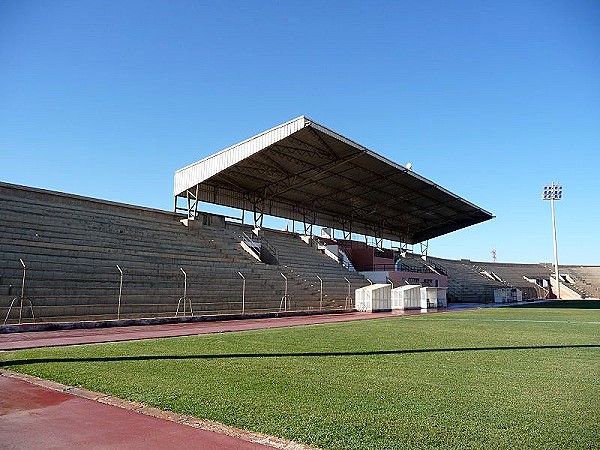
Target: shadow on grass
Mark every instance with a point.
(566, 304)
(19, 362)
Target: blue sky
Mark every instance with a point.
(491, 100)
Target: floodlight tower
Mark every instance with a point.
(554, 192)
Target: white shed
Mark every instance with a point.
(406, 297)
(433, 297)
(507, 295)
(375, 297)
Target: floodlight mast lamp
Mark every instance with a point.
(554, 192)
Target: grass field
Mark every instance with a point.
(518, 378)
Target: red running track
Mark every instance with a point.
(33, 339)
(35, 417)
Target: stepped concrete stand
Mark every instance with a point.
(72, 246)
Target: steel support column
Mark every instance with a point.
(424, 249)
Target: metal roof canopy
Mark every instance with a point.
(301, 170)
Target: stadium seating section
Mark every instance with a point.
(71, 247)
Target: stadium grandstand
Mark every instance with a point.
(67, 257)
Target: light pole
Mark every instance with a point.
(554, 192)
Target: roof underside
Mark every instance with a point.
(301, 170)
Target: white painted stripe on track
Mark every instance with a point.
(501, 320)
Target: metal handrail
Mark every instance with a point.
(250, 241)
(394, 268)
(269, 246)
(247, 239)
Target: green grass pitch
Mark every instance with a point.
(505, 378)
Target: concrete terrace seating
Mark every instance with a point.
(468, 281)
(414, 262)
(71, 246)
(465, 283)
(512, 275)
(585, 279)
(304, 262)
